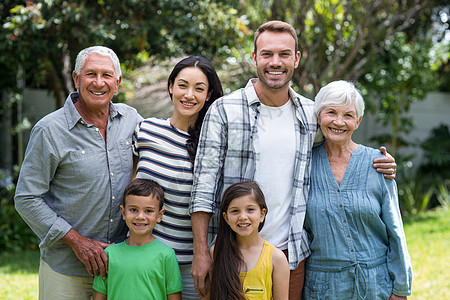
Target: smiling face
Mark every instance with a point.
(338, 123)
(141, 213)
(244, 215)
(276, 59)
(189, 94)
(97, 82)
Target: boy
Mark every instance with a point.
(141, 267)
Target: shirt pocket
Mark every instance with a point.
(88, 164)
(125, 154)
(315, 288)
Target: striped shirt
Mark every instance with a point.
(226, 155)
(163, 158)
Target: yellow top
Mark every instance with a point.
(257, 282)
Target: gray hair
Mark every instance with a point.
(339, 93)
(83, 55)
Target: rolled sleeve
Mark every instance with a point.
(37, 171)
(208, 167)
(398, 259)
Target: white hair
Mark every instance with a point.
(83, 55)
(339, 93)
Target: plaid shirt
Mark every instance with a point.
(226, 155)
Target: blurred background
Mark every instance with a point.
(396, 52)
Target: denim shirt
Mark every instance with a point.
(72, 178)
(357, 222)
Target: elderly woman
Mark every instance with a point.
(358, 246)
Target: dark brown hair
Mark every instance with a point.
(227, 258)
(214, 89)
(144, 187)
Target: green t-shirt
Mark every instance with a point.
(144, 272)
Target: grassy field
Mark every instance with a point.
(428, 238)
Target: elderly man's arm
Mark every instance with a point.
(37, 171)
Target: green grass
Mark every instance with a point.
(19, 275)
(428, 237)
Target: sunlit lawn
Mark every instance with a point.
(428, 239)
(19, 275)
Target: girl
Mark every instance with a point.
(245, 266)
(166, 150)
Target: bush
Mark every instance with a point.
(15, 233)
(430, 185)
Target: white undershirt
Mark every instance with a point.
(275, 169)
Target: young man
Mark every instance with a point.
(141, 267)
(77, 164)
(263, 132)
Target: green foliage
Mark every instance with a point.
(429, 186)
(399, 76)
(15, 233)
(436, 166)
(414, 196)
(44, 38)
(436, 147)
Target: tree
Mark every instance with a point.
(399, 75)
(337, 38)
(43, 38)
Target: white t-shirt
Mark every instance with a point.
(275, 169)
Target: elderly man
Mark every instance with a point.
(263, 132)
(76, 167)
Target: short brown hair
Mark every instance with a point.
(144, 187)
(276, 26)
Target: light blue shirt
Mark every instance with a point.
(358, 221)
(71, 178)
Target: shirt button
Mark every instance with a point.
(128, 143)
(348, 235)
(345, 221)
(340, 205)
(96, 129)
(352, 250)
(112, 173)
(113, 197)
(339, 190)
(83, 152)
(111, 220)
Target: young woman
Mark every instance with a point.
(245, 266)
(166, 151)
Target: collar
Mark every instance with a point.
(73, 116)
(252, 97)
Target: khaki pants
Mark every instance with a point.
(53, 285)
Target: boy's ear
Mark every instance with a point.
(122, 209)
(160, 215)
